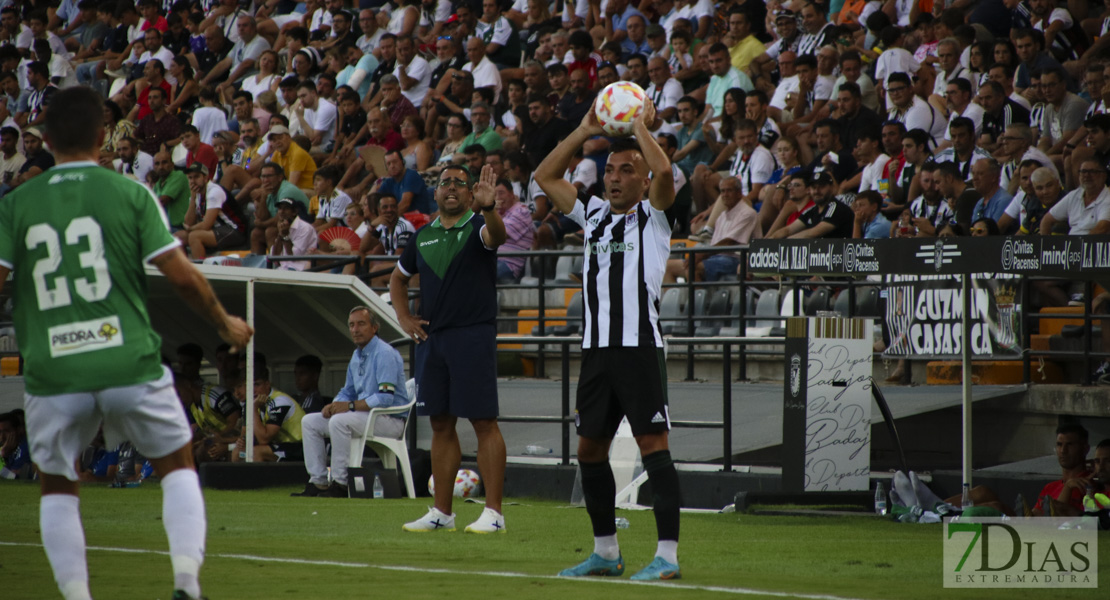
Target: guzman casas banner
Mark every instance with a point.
(924, 315)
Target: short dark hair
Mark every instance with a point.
(307, 84)
(330, 172)
(475, 149)
(852, 88)
(311, 361)
(718, 48)
(38, 67)
(582, 39)
(871, 196)
(898, 77)
(692, 101)
(962, 123)
(1072, 428)
(920, 137)
(278, 169)
(75, 119)
(806, 60)
(961, 84)
(625, 144)
(245, 94)
(870, 133)
(833, 125)
(191, 350)
(1103, 444)
(1100, 121)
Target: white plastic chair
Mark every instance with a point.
(391, 451)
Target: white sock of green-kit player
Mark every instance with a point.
(606, 547)
(63, 538)
(185, 523)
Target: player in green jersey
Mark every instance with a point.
(77, 237)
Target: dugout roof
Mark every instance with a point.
(295, 313)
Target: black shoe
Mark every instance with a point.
(181, 595)
(310, 490)
(335, 490)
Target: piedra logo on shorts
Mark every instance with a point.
(85, 336)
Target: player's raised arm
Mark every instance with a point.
(549, 175)
(661, 192)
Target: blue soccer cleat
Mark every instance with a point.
(659, 569)
(595, 565)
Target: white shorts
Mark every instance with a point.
(149, 415)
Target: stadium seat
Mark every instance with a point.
(818, 301)
(682, 327)
(717, 306)
(671, 306)
(574, 317)
(734, 327)
(766, 306)
(843, 303)
(391, 451)
(563, 269)
(867, 302)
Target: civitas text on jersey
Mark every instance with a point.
(611, 247)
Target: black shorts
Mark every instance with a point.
(288, 451)
(456, 373)
(620, 382)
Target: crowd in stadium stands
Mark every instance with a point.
(260, 125)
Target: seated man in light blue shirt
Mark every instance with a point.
(375, 379)
(985, 178)
(870, 223)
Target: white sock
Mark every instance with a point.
(63, 538)
(185, 523)
(668, 551)
(606, 547)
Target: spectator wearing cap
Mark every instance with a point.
(211, 221)
(295, 161)
(295, 236)
(199, 152)
(274, 187)
(39, 158)
(827, 218)
(657, 42)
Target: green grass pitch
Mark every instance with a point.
(722, 555)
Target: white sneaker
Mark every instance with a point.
(491, 521)
(433, 521)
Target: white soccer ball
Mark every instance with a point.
(466, 484)
(618, 105)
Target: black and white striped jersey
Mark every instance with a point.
(625, 257)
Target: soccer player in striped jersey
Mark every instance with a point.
(627, 242)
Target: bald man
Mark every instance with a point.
(171, 187)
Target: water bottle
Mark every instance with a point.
(534, 449)
(965, 499)
(1019, 505)
(622, 523)
(379, 491)
(880, 499)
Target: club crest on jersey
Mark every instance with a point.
(630, 220)
(85, 336)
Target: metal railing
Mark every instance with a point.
(742, 283)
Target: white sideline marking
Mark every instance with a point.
(506, 574)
